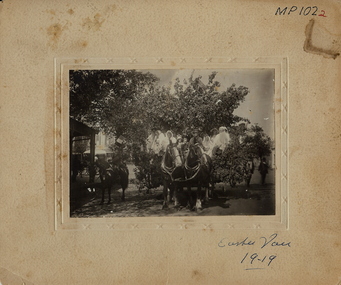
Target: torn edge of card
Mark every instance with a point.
(279, 221)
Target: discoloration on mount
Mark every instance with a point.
(93, 24)
(71, 11)
(309, 47)
(54, 31)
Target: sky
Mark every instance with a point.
(258, 104)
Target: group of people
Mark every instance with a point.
(157, 141)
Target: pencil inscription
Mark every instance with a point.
(264, 241)
(259, 259)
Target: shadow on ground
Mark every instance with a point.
(254, 200)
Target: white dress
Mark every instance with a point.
(221, 140)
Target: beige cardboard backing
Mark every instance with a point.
(34, 33)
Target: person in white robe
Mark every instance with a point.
(207, 144)
(150, 140)
(154, 142)
(222, 139)
(167, 139)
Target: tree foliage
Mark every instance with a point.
(130, 103)
(109, 99)
(194, 105)
(247, 143)
(256, 143)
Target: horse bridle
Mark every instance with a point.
(195, 148)
(165, 168)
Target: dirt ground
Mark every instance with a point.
(241, 200)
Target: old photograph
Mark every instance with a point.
(171, 142)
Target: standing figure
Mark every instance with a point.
(250, 167)
(195, 140)
(207, 144)
(263, 169)
(169, 139)
(221, 140)
(160, 144)
(195, 143)
(184, 148)
(75, 166)
(214, 133)
(152, 142)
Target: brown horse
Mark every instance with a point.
(113, 176)
(198, 172)
(172, 170)
(194, 172)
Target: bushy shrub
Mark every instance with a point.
(229, 166)
(147, 169)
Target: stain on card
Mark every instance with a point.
(54, 31)
(71, 11)
(93, 23)
(326, 50)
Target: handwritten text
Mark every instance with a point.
(262, 242)
(258, 257)
(301, 11)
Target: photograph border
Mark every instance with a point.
(279, 221)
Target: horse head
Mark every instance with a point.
(172, 157)
(194, 155)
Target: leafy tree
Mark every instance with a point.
(130, 103)
(147, 168)
(230, 166)
(256, 142)
(109, 99)
(194, 105)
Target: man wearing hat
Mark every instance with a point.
(195, 140)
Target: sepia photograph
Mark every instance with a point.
(171, 142)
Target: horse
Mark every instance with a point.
(172, 170)
(198, 172)
(112, 176)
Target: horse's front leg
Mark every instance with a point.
(208, 192)
(165, 194)
(109, 193)
(190, 198)
(198, 205)
(123, 198)
(175, 195)
(171, 193)
(103, 189)
(206, 199)
(212, 188)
